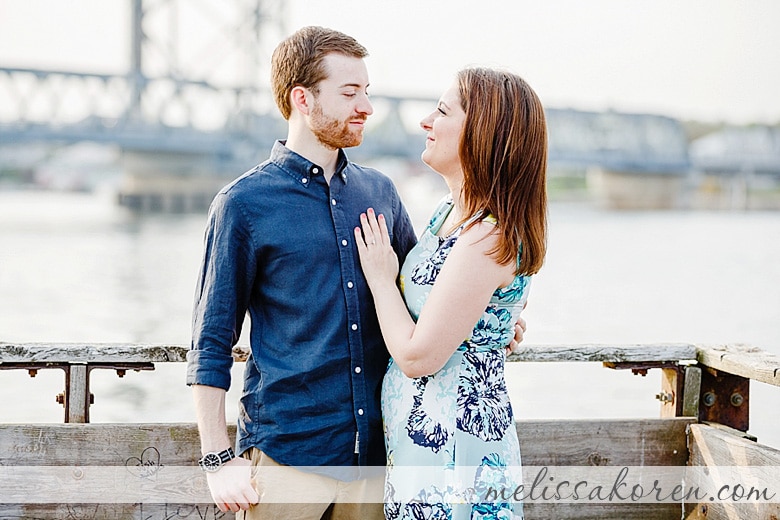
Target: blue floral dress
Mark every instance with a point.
(450, 436)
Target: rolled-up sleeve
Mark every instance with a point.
(222, 294)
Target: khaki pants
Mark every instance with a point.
(287, 493)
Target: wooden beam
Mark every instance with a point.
(573, 511)
(651, 442)
(121, 352)
(680, 389)
(98, 444)
(90, 353)
(605, 353)
(646, 442)
(742, 360)
(77, 397)
(691, 392)
(712, 447)
(614, 442)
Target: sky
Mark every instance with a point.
(712, 60)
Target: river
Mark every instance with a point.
(76, 268)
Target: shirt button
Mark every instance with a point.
(358, 370)
(354, 326)
(333, 201)
(315, 170)
(360, 411)
(304, 180)
(350, 285)
(344, 242)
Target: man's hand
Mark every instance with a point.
(514, 345)
(231, 486)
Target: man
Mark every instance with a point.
(279, 245)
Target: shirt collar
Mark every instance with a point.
(302, 169)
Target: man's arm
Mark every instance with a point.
(231, 486)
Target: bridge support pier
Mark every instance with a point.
(169, 182)
(635, 190)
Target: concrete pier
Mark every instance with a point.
(170, 182)
(635, 190)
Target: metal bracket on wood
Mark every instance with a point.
(725, 399)
(680, 385)
(76, 398)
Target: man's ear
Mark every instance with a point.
(299, 99)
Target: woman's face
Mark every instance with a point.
(444, 127)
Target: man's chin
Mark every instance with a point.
(343, 141)
(352, 143)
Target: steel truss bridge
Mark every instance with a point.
(189, 93)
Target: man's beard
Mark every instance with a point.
(333, 133)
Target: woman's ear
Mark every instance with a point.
(299, 99)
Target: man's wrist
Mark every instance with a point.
(213, 461)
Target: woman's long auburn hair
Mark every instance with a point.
(503, 152)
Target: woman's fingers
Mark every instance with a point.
(376, 234)
(383, 233)
(374, 228)
(378, 227)
(370, 230)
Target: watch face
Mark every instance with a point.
(211, 462)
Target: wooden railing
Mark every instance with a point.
(704, 418)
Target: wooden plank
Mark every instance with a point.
(651, 442)
(90, 353)
(140, 353)
(113, 512)
(126, 448)
(77, 398)
(712, 447)
(119, 446)
(742, 360)
(691, 392)
(618, 442)
(643, 442)
(566, 511)
(671, 392)
(605, 353)
(178, 444)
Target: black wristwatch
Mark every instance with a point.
(212, 460)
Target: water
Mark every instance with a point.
(76, 268)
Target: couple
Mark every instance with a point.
(309, 244)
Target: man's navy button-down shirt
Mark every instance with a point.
(280, 245)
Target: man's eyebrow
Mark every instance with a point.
(355, 85)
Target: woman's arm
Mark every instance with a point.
(457, 300)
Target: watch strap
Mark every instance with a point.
(212, 461)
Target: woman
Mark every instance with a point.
(444, 399)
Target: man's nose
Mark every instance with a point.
(365, 106)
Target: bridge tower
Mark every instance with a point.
(200, 69)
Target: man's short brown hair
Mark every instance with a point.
(298, 60)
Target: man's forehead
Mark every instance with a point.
(345, 71)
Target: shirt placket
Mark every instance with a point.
(347, 263)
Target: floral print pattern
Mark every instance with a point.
(459, 418)
(423, 428)
(484, 410)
